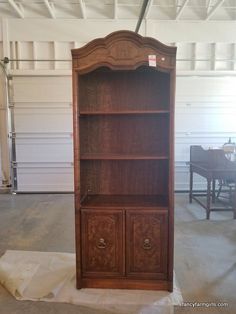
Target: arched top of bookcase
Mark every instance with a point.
(123, 50)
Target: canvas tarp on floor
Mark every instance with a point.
(46, 276)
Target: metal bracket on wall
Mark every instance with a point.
(7, 84)
(37, 60)
(14, 164)
(12, 134)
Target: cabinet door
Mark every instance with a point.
(102, 243)
(146, 244)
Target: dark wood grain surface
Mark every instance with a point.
(109, 90)
(136, 134)
(146, 244)
(127, 177)
(126, 201)
(102, 243)
(123, 162)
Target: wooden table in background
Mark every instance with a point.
(212, 165)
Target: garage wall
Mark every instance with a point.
(205, 93)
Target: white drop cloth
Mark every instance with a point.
(47, 276)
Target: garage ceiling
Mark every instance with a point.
(197, 10)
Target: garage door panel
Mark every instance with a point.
(193, 122)
(42, 89)
(205, 86)
(182, 179)
(45, 179)
(56, 152)
(33, 123)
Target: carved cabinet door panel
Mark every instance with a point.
(146, 244)
(102, 243)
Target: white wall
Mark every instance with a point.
(205, 93)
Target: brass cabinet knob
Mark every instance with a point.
(147, 244)
(101, 244)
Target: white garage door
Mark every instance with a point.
(43, 126)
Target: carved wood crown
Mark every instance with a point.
(123, 50)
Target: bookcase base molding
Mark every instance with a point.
(124, 283)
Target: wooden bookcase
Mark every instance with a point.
(123, 157)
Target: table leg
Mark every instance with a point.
(213, 191)
(191, 186)
(208, 209)
(234, 200)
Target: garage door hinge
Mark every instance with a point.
(11, 105)
(14, 164)
(12, 135)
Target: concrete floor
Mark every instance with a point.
(205, 251)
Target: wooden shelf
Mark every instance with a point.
(121, 157)
(124, 112)
(125, 201)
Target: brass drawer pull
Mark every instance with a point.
(147, 244)
(101, 244)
